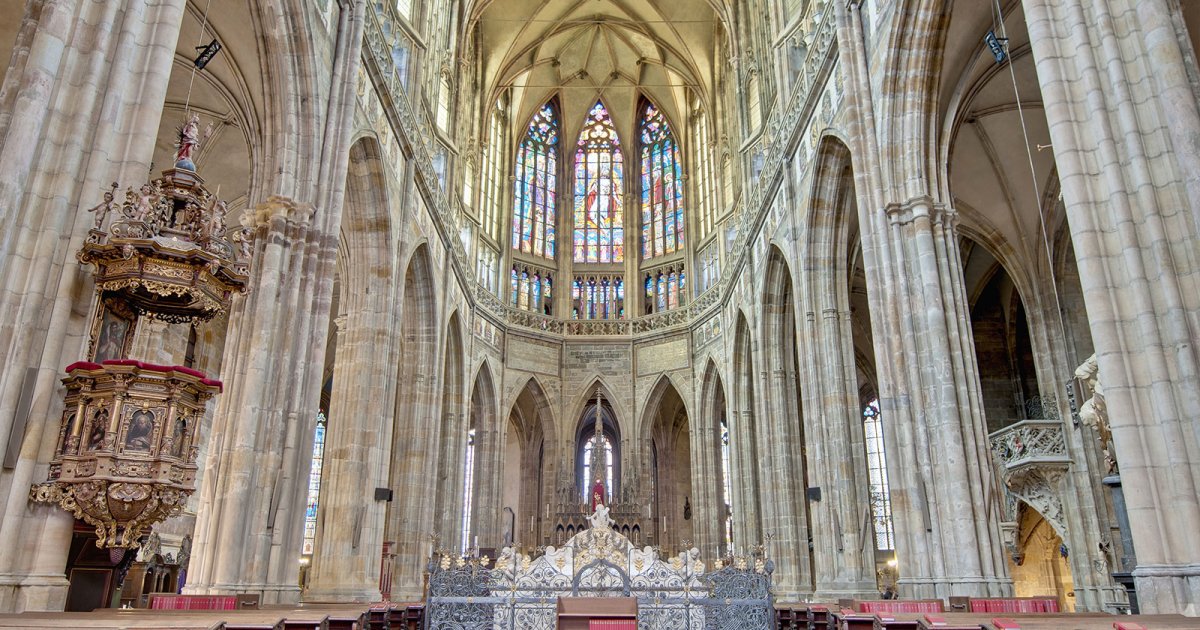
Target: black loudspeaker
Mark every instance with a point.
(383, 494)
(814, 494)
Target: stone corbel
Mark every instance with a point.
(1042, 488)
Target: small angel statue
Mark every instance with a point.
(102, 209)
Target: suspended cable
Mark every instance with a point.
(998, 21)
(199, 44)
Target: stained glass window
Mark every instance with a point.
(600, 297)
(532, 289)
(588, 478)
(599, 173)
(314, 486)
(881, 498)
(664, 290)
(662, 187)
(535, 187)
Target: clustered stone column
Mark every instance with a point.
(1130, 174)
(71, 104)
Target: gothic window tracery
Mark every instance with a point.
(599, 235)
(662, 187)
(535, 188)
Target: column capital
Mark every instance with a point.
(278, 207)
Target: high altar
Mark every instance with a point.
(681, 592)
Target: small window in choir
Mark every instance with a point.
(753, 104)
(599, 175)
(600, 297)
(710, 266)
(662, 187)
(881, 499)
(468, 489)
(588, 478)
(314, 486)
(536, 187)
(664, 290)
(486, 269)
(490, 178)
(404, 8)
(726, 489)
(443, 104)
(532, 290)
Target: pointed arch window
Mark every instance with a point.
(468, 489)
(599, 174)
(662, 186)
(314, 487)
(726, 489)
(881, 498)
(535, 188)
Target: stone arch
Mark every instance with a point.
(837, 332)
(744, 443)
(452, 434)
(482, 426)
(528, 454)
(614, 429)
(707, 453)
(362, 340)
(667, 455)
(412, 463)
(785, 453)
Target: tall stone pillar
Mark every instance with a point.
(349, 538)
(945, 506)
(250, 520)
(79, 108)
(1124, 121)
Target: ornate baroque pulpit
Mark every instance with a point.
(128, 441)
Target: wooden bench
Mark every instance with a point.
(899, 606)
(1005, 605)
(242, 601)
(847, 619)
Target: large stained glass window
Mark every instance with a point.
(314, 486)
(599, 173)
(535, 187)
(662, 186)
(881, 498)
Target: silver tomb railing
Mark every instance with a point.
(520, 592)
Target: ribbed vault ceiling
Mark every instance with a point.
(582, 50)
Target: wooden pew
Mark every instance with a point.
(847, 619)
(818, 617)
(899, 606)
